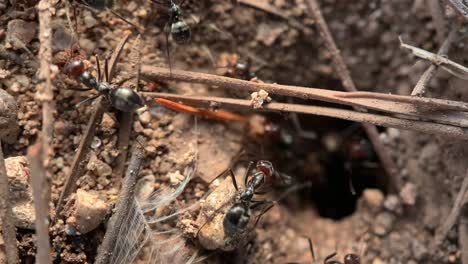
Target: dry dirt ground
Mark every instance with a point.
(388, 220)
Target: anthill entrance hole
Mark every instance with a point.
(340, 162)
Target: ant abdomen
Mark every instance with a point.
(125, 99)
(237, 218)
(180, 32)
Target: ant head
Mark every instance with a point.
(266, 167)
(352, 259)
(74, 68)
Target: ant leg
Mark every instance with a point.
(87, 100)
(247, 172)
(311, 248)
(329, 257)
(98, 68)
(106, 70)
(263, 192)
(80, 89)
(233, 177)
(264, 212)
(167, 30)
(124, 19)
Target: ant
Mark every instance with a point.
(348, 259)
(175, 25)
(238, 216)
(122, 98)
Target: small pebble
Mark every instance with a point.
(393, 203)
(175, 177)
(145, 117)
(21, 192)
(383, 223)
(9, 127)
(20, 33)
(374, 198)
(408, 194)
(85, 211)
(377, 261)
(259, 98)
(99, 167)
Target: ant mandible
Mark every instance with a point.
(348, 259)
(122, 98)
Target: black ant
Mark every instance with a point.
(348, 259)
(122, 98)
(175, 25)
(238, 216)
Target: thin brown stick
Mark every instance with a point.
(379, 120)
(45, 89)
(420, 88)
(438, 18)
(345, 76)
(81, 156)
(6, 215)
(41, 193)
(126, 118)
(459, 7)
(397, 104)
(122, 207)
(450, 221)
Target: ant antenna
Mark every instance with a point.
(106, 70)
(98, 65)
(311, 248)
(332, 255)
(247, 172)
(351, 186)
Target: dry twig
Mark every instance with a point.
(345, 76)
(441, 111)
(6, 214)
(448, 65)
(459, 7)
(81, 156)
(379, 120)
(420, 88)
(123, 205)
(126, 118)
(41, 193)
(45, 89)
(450, 221)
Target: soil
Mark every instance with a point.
(384, 221)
